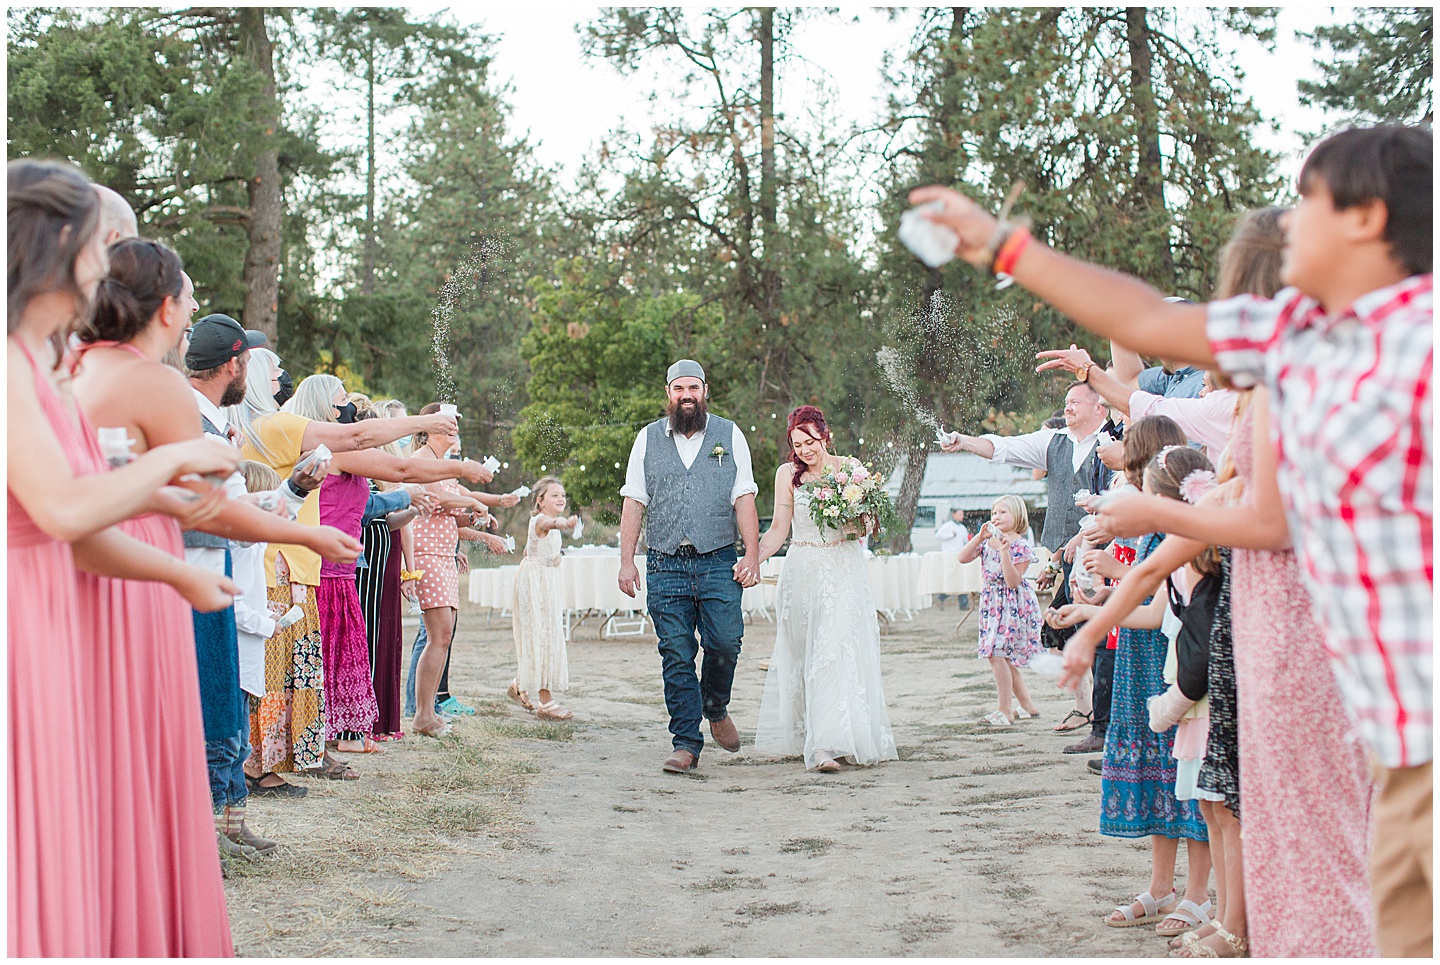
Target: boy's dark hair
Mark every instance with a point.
(1390, 163)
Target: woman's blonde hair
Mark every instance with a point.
(537, 492)
(1250, 264)
(314, 398)
(391, 409)
(1017, 508)
(259, 478)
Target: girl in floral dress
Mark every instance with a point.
(1009, 612)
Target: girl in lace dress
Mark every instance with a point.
(538, 618)
(1009, 612)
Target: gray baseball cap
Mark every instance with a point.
(685, 368)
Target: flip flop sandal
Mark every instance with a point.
(1147, 902)
(519, 696)
(443, 731)
(338, 772)
(1186, 911)
(283, 789)
(1081, 720)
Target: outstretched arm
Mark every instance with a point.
(1119, 307)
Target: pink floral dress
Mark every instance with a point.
(1009, 616)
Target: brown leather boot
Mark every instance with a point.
(237, 831)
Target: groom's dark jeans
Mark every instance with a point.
(687, 592)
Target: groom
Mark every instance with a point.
(689, 475)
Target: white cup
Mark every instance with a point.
(447, 409)
(490, 464)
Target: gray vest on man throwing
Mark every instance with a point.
(1062, 482)
(193, 538)
(691, 503)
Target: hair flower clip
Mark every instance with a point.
(1196, 484)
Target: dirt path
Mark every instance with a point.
(976, 842)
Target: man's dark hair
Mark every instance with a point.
(1390, 163)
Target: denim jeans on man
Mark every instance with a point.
(225, 759)
(689, 592)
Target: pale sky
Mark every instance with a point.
(568, 102)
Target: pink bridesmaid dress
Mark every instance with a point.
(1306, 785)
(53, 876)
(161, 893)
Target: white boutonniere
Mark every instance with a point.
(719, 452)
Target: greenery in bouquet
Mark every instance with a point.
(850, 498)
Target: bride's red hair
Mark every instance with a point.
(812, 420)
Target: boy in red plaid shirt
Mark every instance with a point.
(1345, 353)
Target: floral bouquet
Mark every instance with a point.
(850, 498)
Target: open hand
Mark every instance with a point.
(1070, 359)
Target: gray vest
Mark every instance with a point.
(689, 503)
(1062, 482)
(194, 539)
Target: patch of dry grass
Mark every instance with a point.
(415, 808)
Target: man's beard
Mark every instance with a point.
(685, 419)
(234, 393)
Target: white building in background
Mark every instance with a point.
(964, 480)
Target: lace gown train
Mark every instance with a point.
(824, 697)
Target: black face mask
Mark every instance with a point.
(287, 388)
(347, 413)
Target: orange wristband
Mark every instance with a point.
(1010, 252)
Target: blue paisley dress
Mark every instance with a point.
(1137, 776)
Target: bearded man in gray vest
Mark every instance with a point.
(690, 478)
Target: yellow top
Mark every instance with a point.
(281, 434)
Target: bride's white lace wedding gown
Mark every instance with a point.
(823, 693)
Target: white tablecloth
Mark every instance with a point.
(588, 581)
(895, 581)
(944, 573)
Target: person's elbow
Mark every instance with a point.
(66, 523)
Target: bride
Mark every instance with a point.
(823, 694)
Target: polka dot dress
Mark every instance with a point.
(437, 536)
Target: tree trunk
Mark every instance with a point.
(262, 257)
(1149, 175)
(777, 362)
(367, 259)
(917, 457)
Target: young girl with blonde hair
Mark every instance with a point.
(537, 613)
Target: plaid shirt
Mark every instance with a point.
(1351, 407)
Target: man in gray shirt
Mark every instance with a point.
(690, 477)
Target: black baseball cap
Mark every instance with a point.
(216, 339)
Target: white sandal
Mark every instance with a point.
(1186, 911)
(995, 719)
(1147, 902)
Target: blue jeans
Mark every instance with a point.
(688, 592)
(421, 639)
(225, 759)
(415, 651)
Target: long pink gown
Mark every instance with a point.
(161, 892)
(54, 899)
(1306, 786)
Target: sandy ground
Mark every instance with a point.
(517, 838)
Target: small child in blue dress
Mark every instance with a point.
(1009, 612)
